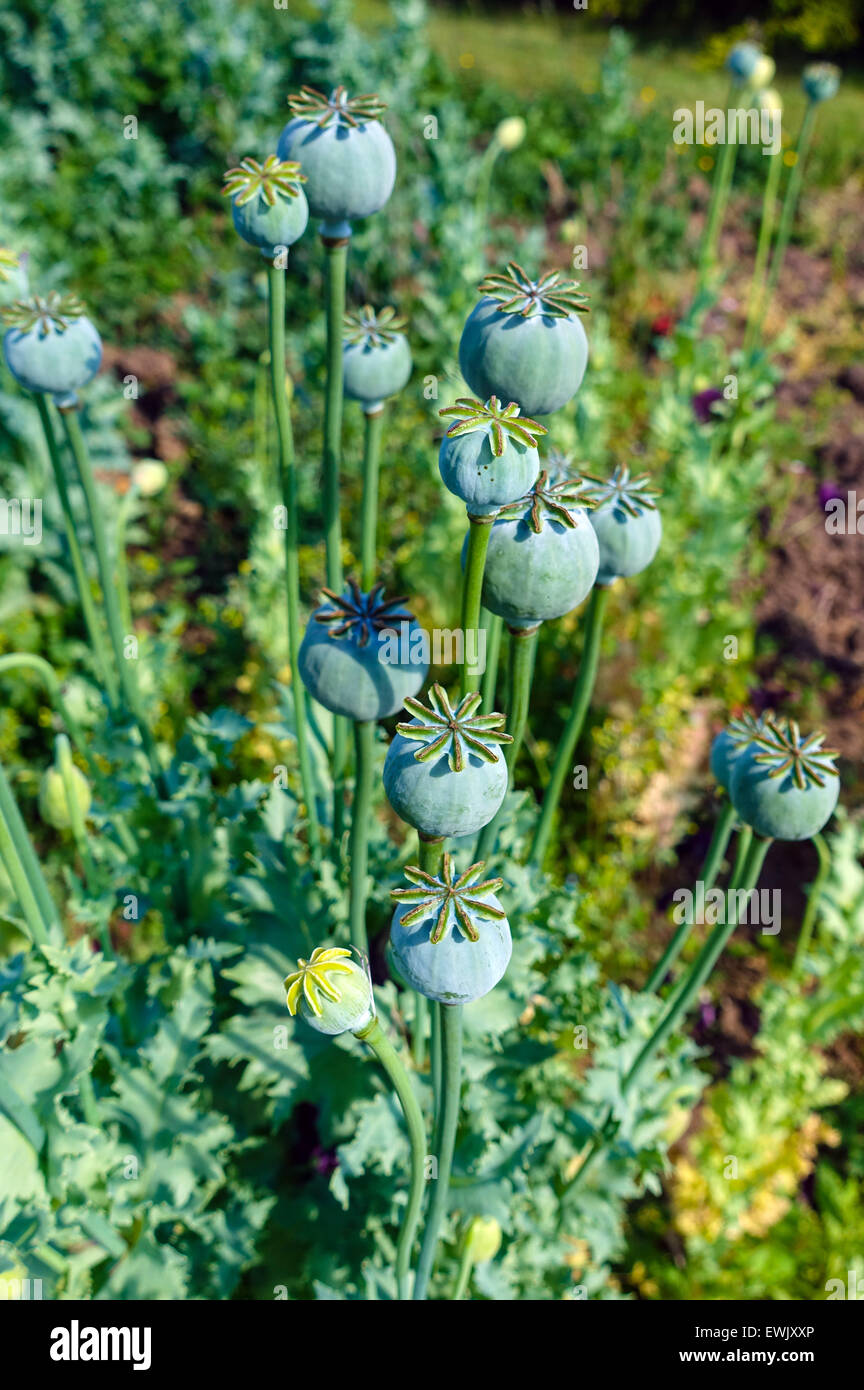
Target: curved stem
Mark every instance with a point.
(708, 875)
(494, 628)
(122, 566)
(92, 622)
(43, 668)
(582, 692)
(472, 587)
(336, 263)
(288, 488)
(451, 1053)
(523, 646)
(364, 746)
(429, 859)
(24, 869)
(372, 432)
(128, 677)
(790, 202)
(392, 1063)
(813, 895)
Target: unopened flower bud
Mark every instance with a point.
(483, 1240)
(53, 806)
(331, 991)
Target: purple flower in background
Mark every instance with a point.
(707, 1015)
(830, 492)
(703, 403)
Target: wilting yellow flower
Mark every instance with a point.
(763, 72)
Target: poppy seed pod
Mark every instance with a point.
(268, 205)
(821, 81)
(784, 785)
(376, 358)
(489, 454)
(626, 523)
(331, 991)
(454, 782)
(543, 556)
(743, 61)
(731, 743)
(450, 936)
(359, 654)
(346, 154)
(524, 341)
(51, 347)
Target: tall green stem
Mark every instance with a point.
(790, 202)
(336, 263)
(451, 1057)
(479, 531)
(763, 248)
(494, 629)
(95, 632)
(680, 1001)
(373, 430)
(719, 198)
(25, 870)
(110, 597)
(429, 858)
(742, 849)
(364, 746)
(463, 1278)
(582, 692)
(392, 1063)
(708, 875)
(288, 488)
(813, 895)
(523, 647)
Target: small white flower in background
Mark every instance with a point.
(149, 476)
(510, 133)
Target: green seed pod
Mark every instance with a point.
(626, 522)
(53, 806)
(783, 785)
(731, 742)
(454, 782)
(331, 991)
(821, 81)
(376, 358)
(450, 936)
(268, 205)
(489, 454)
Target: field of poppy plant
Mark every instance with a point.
(431, 838)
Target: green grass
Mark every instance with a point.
(530, 53)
